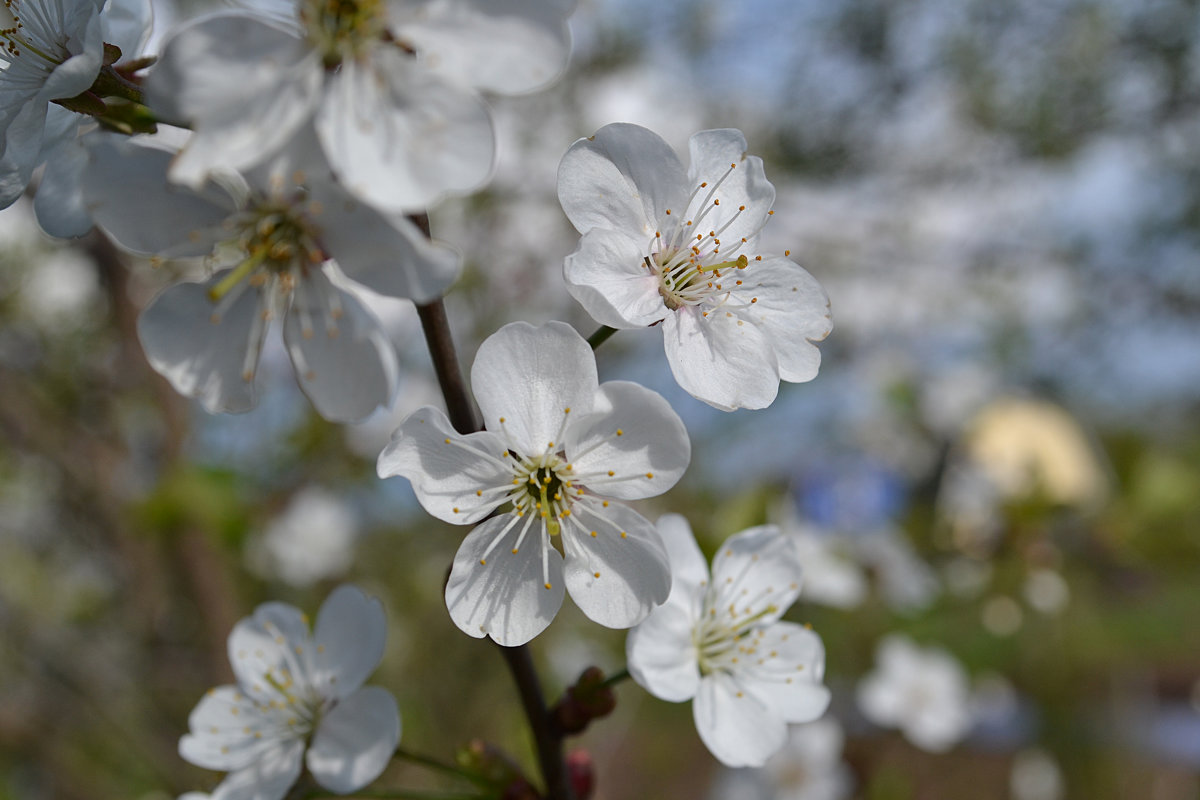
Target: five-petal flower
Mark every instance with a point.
(292, 235)
(720, 643)
(391, 87)
(664, 245)
(298, 691)
(558, 450)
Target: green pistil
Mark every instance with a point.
(741, 262)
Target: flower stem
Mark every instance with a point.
(549, 742)
(600, 336)
(432, 763)
(440, 343)
(615, 678)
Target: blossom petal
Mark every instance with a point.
(507, 597)
(22, 143)
(125, 188)
(791, 309)
(503, 46)
(746, 185)
(268, 778)
(355, 741)
(77, 74)
(616, 565)
(222, 728)
(632, 446)
(59, 202)
(624, 177)
(661, 655)
(720, 362)
(399, 136)
(789, 679)
(127, 24)
(242, 84)
(689, 570)
(344, 361)
(736, 726)
(264, 642)
(455, 477)
(529, 376)
(350, 633)
(385, 252)
(609, 278)
(202, 358)
(759, 567)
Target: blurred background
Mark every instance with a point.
(995, 478)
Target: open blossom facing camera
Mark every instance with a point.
(291, 236)
(661, 244)
(390, 85)
(299, 699)
(558, 451)
(720, 643)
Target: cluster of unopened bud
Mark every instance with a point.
(590, 698)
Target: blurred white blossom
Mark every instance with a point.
(313, 539)
(298, 702)
(922, 691)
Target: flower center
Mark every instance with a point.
(723, 635)
(685, 278)
(342, 29)
(542, 486)
(31, 37)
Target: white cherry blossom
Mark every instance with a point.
(292, 238)
(559, 451)
(299, 701)
(922, 691)
(661, 244)
(53, 50)
(392, 87)
(720, 643)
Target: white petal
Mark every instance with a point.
(761, 568)
(455, 480)
(22, 146)
(267, 641)
(59, 202)
(126, 190)
(349, 636)
(384, 252)
(689, 570)
(243, 85)
(618, 575)
(609, 278)
(503, 46)
(266, 779)
(791, 308)
(712, 153)
(735, 725)
(346, 365)
(200, 358)
(222, 728)
(77, 74)
(399, 136)
(355, 741)
(718, 361)
(623, 178)
(661, 655)
(529, 376)
(789, 679)
(647, 457)
(127, 24)
(505, 598)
